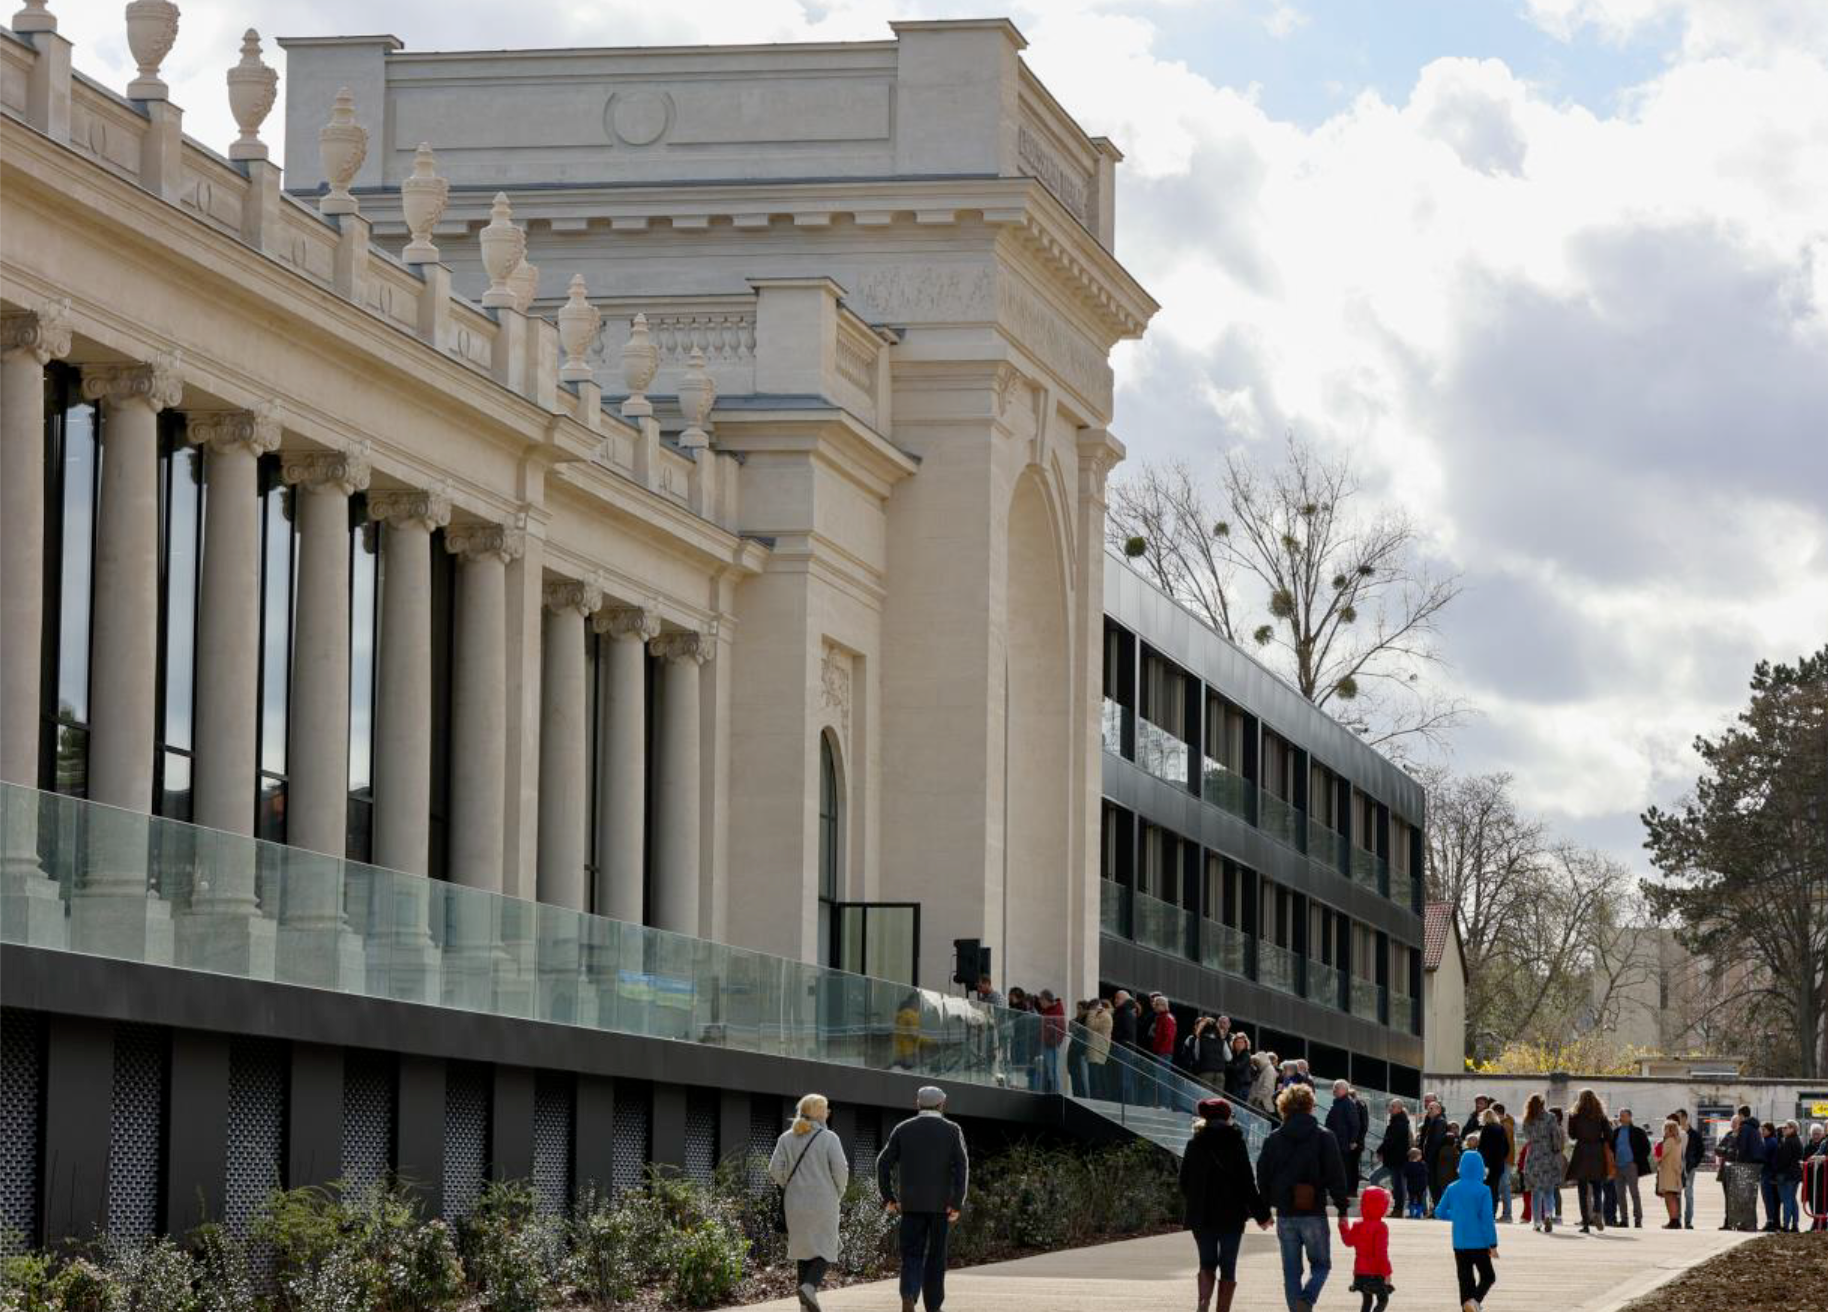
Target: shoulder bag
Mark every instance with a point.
(780, 1197)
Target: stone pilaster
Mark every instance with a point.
(622, 761)
(676, 843)
(564, 796)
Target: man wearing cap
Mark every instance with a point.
(927, 1191)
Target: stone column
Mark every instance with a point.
(402, 959)
(622, 760)
(113, 914)
(316, 945)
(676, 843)
(564, 745)
(224, 929)
(478, 970)
(30, 911)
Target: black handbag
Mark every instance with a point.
(780, 1195)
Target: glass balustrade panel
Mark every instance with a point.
(1160, 925)
(1279, 820)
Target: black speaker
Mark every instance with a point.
(965, 961)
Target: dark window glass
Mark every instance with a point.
(593, 721)
(444, 585)
(828, 821)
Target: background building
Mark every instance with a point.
(1444, 991)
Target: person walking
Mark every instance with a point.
(1694, 1150)
(1369, 1241)
(810, 1166)
(1218, 1195)
(1494, 1149)
(922, 1173)
(1544, 1142)
(1394, 1153)
(1631, 1161)
(1098, 1048)
(1669, 1153)
(1415, 1182)
(1588, 1132)
(1298, 1169)
(1263, 1082)
(1348, 1131)
(1468, 1205)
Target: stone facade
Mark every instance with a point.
(788, 382)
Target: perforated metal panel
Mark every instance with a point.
(21, 1127)
(767, 1119)
(466, 1137)
(867, 1143)
(256, 1130)
(368, 1118)
(701, 1134)
(552, 1121)
(629, 1151)
(136, 1131)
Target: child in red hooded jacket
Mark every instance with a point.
(1369, 1238)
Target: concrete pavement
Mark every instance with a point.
(1563, 1272)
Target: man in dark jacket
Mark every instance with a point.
(1123, 1043)
(1694, 1149)
(1432, 1139)
(1346, 1124)
(1751, 1142)
(1238, 1073)
(1298, 1170)
(1205, 1052)
(928, 1191)
(1394, 1153)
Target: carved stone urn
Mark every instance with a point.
(422, 200)
(579, 323)
(503, 245)
(697, 394)
(640, 360)
(152, 27)
(524, 282)
(342, 145)
(252, 87)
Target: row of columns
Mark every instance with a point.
(124, 659)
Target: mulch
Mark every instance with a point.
(1773, 1273)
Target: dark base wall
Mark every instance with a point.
(144, 1100)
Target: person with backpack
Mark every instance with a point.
(810, 1167)
(1299, 1169)
(922, 1173)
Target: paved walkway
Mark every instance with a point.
(1563, 1272)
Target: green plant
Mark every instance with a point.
(515, 1257)
(25, 1283)
(83, 1286)
(224, 1281)
(866, 1233)
(707, 1263)
(606, 1265)
(158, 1276)
(429, 1273)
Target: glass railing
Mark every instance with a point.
(1323, 984)
(1367, 869)
(1226, 789)
(1224, 948)
(1402, 1011)
(1326, 846)
(1111, 726)
(1275, 967)
(86, 878)
(1367, 999)
(1404, 890)
(1113, 908)
(1161, 753)
(1279, 820)
(1149, 1097)
(1160, 925)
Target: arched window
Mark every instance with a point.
(830, 862)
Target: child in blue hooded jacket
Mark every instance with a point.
(1467, 1202)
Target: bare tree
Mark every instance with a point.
(1348, 612)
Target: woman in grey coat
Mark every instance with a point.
(809, 1164)
(1543, 1164)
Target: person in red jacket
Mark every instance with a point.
(1161, 1043)
(1053, 1036)
(1369, 1239)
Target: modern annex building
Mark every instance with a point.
(527, 636)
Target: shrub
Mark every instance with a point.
(157, 1275)
(606, 1262)
(224, 1281)
(25, 1283)
(865, 1231)
(82, 1286)
(516, 1257)
(707, 1263)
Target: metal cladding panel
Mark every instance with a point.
(767, 1121)
(553, 1103)
(136, 1131)
(467, 1088)
(633, 1124)
(701, 1134)
(368, 1119)
(256, 1128)
(21, 1127)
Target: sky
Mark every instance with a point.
(1553, 272)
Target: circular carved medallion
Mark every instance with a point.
(639, 118)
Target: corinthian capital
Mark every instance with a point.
(345, 472)
(409, 507)
(568, 594)
(635, 622)
(684, 646)
(44, 332)
(158, 384)
(223, 431)
(477, 541)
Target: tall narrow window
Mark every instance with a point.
(364, 627)
(72, 470)
(277, 540)
(830, 836)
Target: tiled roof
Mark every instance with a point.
(1437, 928)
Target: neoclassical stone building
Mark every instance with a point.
(589, 493)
